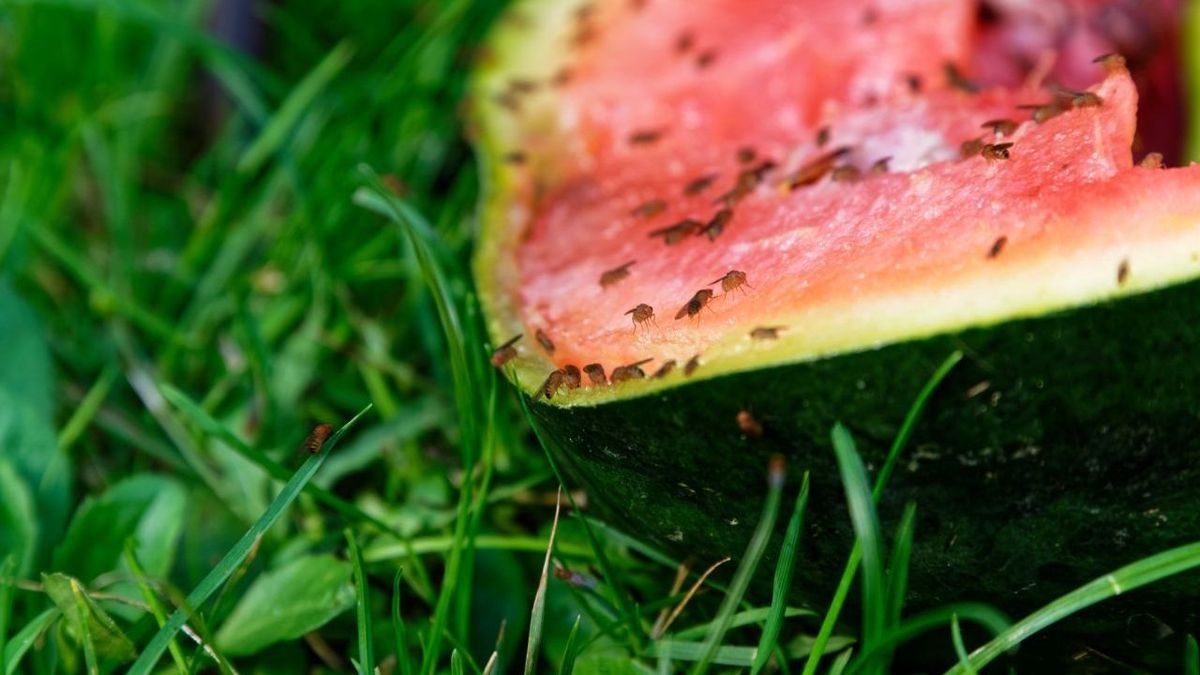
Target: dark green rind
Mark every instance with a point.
(1082, 454)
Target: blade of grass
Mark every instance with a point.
(25, 638)
(985, 615)
(866, 531)
(783, 581)
(1191, 657)
(746, 617)
(1123, 580)
(538, 613)
(959, 648)
(209, 425)
(749, 564)
(156, 608)
(207, 586)
(400, 635)
(88, 408)
(898, 444)
(897, 573)
(687, 597)
(366, 644)
(490, 667)
(570, 651)
(629, 614)
(456, 663)
(301, 98)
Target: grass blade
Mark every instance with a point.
(156, 608)
(866, 531)
(273, 135)
(456, 663)
(959, 648)
(1191, 657)
(538, 613)
(403, 659)
(209, 425)
(881, 480)
(366, 645)
(746, 569)
(783, 581)
(897, 575)
(687, 597)
(569, 652)
(8, 569)
(25, 638)
(985, 615)
(1135, 575)
(897, 572)
(207, 586)
(629, 613)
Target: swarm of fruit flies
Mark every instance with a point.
(832, 164)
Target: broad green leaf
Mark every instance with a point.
(147, 507)
(86, 618)
(18, 522)
(286, 603)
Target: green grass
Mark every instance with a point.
(190, 283)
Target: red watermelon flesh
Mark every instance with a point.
(660, 95)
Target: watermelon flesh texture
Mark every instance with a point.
(663, 95)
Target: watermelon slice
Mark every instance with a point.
(765, 217)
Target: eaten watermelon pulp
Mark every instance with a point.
(610, 123)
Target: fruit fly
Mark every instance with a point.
(880, 165)
(766, 332)
(649, 209)
(698, 185)
(822, 136)
(697, 303)
(816, 169)
(545, 341)
(956, 80)
(664, 369)
(317, 437)
(505, 352)
(1112, 62)
(731, 281)
(1000, 127)
(691, 366)
(645, 137)
(595, 373)
(714, 227)
(632, 371)
(515, 157)
(847, 173)
(997, 247)
(749, 424)
(1040, 112)
(673, 234)
(612, 276)
(1123, 272)
(554, 381)
(994, 151)
(641, 314)
(572, 376)
(970, 148)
